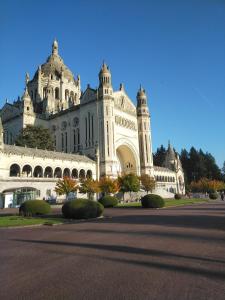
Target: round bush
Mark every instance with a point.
(34, 207)
(178, 196)
(82, 209)
(108, 201)
(213, 196)
(152, 201)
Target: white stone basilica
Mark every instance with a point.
(99, 128)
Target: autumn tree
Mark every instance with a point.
(35, 137)
(129, 183)
(147, 182)
(206, 185)
(89, 186)
(108, 185)
(65, 186)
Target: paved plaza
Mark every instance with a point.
(133, 253)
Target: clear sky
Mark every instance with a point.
(175, 49)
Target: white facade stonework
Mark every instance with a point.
(101, 127)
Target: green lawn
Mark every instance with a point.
(9, 221)
(168, 202)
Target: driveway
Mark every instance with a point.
(175, 253)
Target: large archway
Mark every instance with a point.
(126, 161)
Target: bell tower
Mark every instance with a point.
(144, 133)
(107, 153)
(27, 104)
(1, 135)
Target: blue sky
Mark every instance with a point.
(175, 49)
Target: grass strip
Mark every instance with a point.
(168, 202)
(10, 221)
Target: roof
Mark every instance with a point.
(55, 65)
(171, 153)
(162, 169)
(17, 150)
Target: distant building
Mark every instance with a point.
(100, 129)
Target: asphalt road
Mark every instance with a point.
(176, 253)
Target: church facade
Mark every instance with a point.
(100, 124)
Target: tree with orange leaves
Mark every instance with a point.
(206, 185)
(89, 186)
(65, 186)
(147, 182)
(108, 185)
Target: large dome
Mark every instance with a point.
(55, 65)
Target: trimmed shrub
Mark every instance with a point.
(34, 207)
(152, 201)
(82, 209)
(108, 201)
(213, 196)
(178, 196)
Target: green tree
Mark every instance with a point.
(65, 186)
(35, 136)
(89, 186)
(223, 171)
(197, 164)
(147, 182)
(129, 183)
(159, 156)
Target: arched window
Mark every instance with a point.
(82, 174)
(66, 95)
(27, 171)
(48, 172)
(38, 171)
(66, 172)
(89, 174)
(71, 95)
(14, 170)
(56, 93)
(44, 92)
(58, 173)
(74, 173)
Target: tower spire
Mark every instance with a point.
(55, 47)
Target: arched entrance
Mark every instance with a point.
(126, 162)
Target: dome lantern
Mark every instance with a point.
(55, 47)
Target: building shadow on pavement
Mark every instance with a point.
(153, 233)
(181, 262)
(182, 220)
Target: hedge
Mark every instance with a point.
(108, 201)
(178, 196)
(213, 196)
(34, 207)
(152, 201)
(82, 209)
